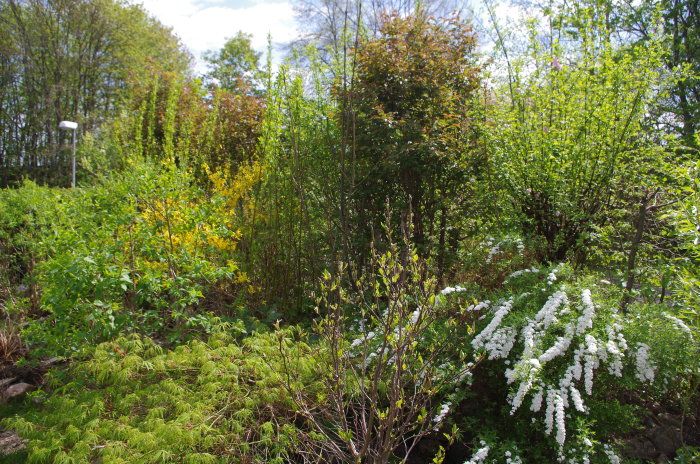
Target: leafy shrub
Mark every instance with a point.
(414, 101)
(27, 215)
(388, 352)
(171, 118)
(569, 135)
(141, 252)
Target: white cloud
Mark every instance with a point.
(205, 25)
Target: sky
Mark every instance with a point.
(206, 24)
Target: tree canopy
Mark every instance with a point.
(236, 61)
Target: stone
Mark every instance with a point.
(667, 439)
(10, 443)
(7, 381)
(640, 448)
(51, 361)
(18, 389)
(669, 419)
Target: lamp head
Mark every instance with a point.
(68, 125)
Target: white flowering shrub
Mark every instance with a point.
(667, 350)
(545, 354)
(491, 452)
(561, 346)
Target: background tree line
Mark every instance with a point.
(75, 60)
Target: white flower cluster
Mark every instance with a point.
(591, 362)
(548, 313)
(448, 290)
(520, 272)
(457, 371)
(479, 306)
(444, 410)
(361, 340)
(585, 321)
(501, 342)
(679, 324)
(526, 372)
(552, 276)
(519, 244)
(645, 367)
(486, 334)
(536, 400)
(614, 349)
(496, 247)
(572, 332)
(510, 459)
(480, 455)
(559, 347)
(415, 317)
(614, 458)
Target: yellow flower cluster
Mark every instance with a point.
(176, 223)
(239, 186)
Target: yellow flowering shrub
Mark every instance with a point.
(153, 252)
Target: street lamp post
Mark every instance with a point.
(70, 125)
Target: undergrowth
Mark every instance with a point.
(217, 401)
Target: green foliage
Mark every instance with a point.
(573, 239)
(415, 127)
(578, 374)
(172, 119)
(679, 111)
(290, 231)
(138, 253)
(676, 350)
(205, 402)
(26, 215)
(407, 352)
(235, 62)
(685, 217)
(569, 136)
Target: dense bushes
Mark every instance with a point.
(542, 357)
(174, 119)
(139, 252)
(561, 350)
(569, 143)
(416, 128)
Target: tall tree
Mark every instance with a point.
(571, 145)
(332, 25)
(627, 23)
(416, 124)
(681, 22)
(235, 64)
